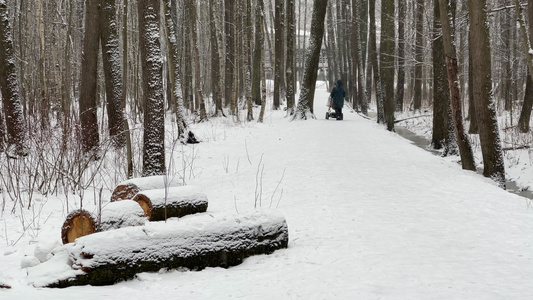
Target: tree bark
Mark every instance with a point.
(152, 77)
(216, 59)
(112, 71)
(419, 55)
(200, 101)
(279, 26)
(304, 109)
(463, 142)
(290, 70)
(15, 130)
(400, 87)
(184, 134)
(207, 240)
(230, 53)
(372, 70)
(90, 137)
(483, 100)
(525, 113)
(171, 202)
(387, 61)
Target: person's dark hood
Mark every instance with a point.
(339, 83)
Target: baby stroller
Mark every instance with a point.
(330, 113)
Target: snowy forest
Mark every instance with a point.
(80, 78)
(97, 92)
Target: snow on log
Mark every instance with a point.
(161, 204)
(194, 242)
(127, 189)
(78, 223)
(121, 214)
(113, 216)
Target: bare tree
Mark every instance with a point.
(419, 50)
(184, 132)
(9, 90)
(279, 25)
(400, 86)
(152, 82)
(387, 61)
(90, 137)
(304, 109)
(290, 71)
(493, 165)
(112, 71)
(463, 142)
(199, 95)
(525, 113)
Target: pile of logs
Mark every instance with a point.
(126, 238)
(133, 202)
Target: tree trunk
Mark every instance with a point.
(191, 4)
(112, 71)
(129, 188)
(373, 66)
(525, 114)
(230, 53)
(129, 153)
(247, 37)
(279, 26)
(290, 70)
(441, 92)
(216, 59)
(260, 12)
(185, 135)
(77, 224)
(419, 55)
(387, 61)
(171, 202)
(152, 77)
(9, 91)
(400, 87)
(90, 137)
(304, 109)
(207, 240)
(474, 128)
(493, 164)
(257, 68)
(465, 150)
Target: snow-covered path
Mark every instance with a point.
(370, 217)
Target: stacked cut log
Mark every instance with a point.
(154, 205)
(129, 188)
(206, 240)
(161, 204)
(77, 224)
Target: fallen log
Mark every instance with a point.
(161, 204)
(194, 242)
(77, 224)
(121, 214)
(113, 216)
(127, 189)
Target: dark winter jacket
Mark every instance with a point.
(338, 94)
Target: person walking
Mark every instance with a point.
(337, 95)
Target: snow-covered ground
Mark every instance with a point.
(370, 216)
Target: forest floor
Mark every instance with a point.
(370, 216)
